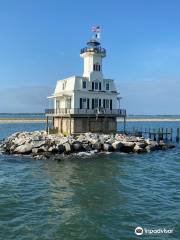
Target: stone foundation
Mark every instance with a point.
(68, 125)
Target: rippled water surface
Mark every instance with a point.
(96, 197)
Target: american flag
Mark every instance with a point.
(96, 29)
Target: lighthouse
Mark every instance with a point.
(87, 103)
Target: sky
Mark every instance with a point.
(40, 42)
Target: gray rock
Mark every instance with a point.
(53, 149)
(60, 148)
(96, 145)
(138, 149)
(86, 147)
(37, 144)
(107, 147)
(24, 149)
(117, 145)
(128, 147)
(67, 147)
(141, 144)
(77, 146)
(151, 148)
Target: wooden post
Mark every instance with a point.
(149, 133)
(162, 135)
(124, 124)
(177, 135)
(154, 132)
(133, 131)
(70, 124)
(166, 134)
(47, 124)
(171, 134)
(159, 134)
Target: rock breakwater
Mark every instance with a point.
(41, 145)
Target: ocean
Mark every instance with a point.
(98, 197)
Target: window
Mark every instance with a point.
(107, 103)
(96, 102)
(84, 105)
(100, 86)
(84, 84)
(96, 67)
(99, 102)
(111, 104)
(80, 103)
(92, 103)
(107, 86)
(104, 103)
(96, 85)
(92, 85)
(87, 103)
(63, 86)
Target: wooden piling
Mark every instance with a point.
(177, 135)
(124, 124)
(154, 132)
(166, 137)
(47, 124)
(171, 134)
(162, 133)
(149, 133)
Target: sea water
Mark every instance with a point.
(97, 197)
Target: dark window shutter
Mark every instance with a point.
(92, 103)
(80, 104)
(92, 85)
(111, 104)
(100, 86)
(87, 103)
(99, 68)
(104, 106)
(99, 102)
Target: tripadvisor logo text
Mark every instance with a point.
(140, 231)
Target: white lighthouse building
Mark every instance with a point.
(88, 103)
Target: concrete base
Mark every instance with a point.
(68, 125)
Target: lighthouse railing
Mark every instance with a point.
(78, 111)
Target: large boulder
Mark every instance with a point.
(24, 149)
(86, 146)
(67, 147)
(141, 144)
(77, 146)
(60, 148)
(107, 147)
(97, 145)
(117, 145)
(138, 149)
(127, 147)
(37, 144)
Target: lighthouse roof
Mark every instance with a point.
(93, 43)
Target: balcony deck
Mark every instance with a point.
(75, 112)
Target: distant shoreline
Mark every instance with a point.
(39, 120)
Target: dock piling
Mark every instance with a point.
(177, 135)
